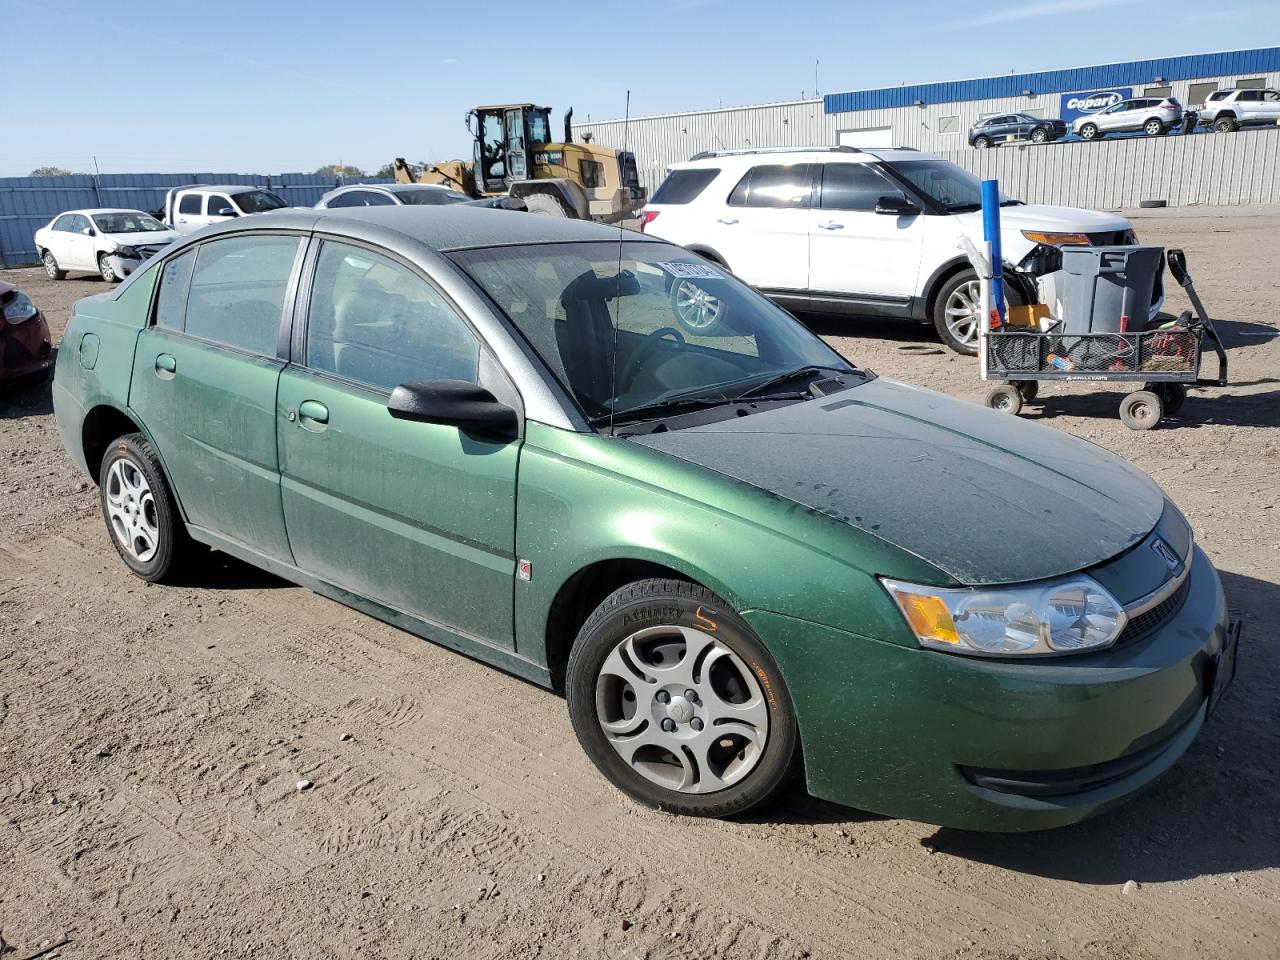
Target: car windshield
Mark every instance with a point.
(127, 221)
(641, 331)
(430, 197)
(955, 188)
(258, 201)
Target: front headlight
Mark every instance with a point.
(1068, 615)
(1056, 239)
(129, 253)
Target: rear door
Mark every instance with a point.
(188, 216)
(762, 228)
(204, 382)
(417, 516)
(854, 251)
(69, 244)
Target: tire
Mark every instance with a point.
(1154, 128)
(1030, 389)
(105, 268)
(1039, 135)
(1090, 131)
(981, 143)
(681, 766)
(1172, 396)
(1005, 398)
(139, 510)
(1141, 410)
(955, 292)
(51, 268)
(1225, 125)
(545, 205)
(698, 311)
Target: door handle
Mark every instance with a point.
(728, 221)
(166, 366)
(831, 225)
(313, 414)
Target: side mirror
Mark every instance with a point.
(454, 403)
(227, 212)
(896, 207)
(87, 231)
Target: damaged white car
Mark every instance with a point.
(112, 243)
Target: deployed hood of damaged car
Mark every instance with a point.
(985, 497)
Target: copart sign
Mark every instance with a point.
(1079, 104)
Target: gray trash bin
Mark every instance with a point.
(1103, 284)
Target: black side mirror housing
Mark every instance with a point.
(454, 403)
(896, 207)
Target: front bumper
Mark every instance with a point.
(901, 731)
(123, 266)
(25, 350)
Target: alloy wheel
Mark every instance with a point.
(682, 709)
(962, 312)
(104, 267)
(697, 309)
(50, 266)
(131, 508)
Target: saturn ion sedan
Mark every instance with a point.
(730, 550)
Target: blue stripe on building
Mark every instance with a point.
(1241, 63)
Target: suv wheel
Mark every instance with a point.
(1225, 125)
(958, 307)
(678, 703)
(1039, 135)
(981, 143)
(1153, 127)
(1090, 131)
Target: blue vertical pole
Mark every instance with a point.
(991, 233)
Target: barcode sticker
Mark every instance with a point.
(692, 271)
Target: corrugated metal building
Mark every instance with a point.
(928, 116)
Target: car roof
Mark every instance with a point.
(440, 228)
(389, 187)
(90, 211)
(221, 187)
(757, 156)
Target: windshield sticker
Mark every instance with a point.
(692, 271)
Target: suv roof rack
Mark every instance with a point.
(705, 154)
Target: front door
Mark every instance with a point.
(419, 517)
(204, 381)
(855, 252)
(762, 231)
(517, 160)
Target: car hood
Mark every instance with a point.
(1036, 216)
(145, 238)
(982, 496)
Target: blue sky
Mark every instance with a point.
(273, 87)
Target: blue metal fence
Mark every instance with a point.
(28, 203)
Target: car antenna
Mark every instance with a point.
(617, 280)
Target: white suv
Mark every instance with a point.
(863, 232)
(1228, 110)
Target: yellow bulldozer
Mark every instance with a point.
(514, 156)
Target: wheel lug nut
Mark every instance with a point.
(668, 725)
(696, 723)
(691, 696)
(663, 696)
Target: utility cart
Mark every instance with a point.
(1164, 360)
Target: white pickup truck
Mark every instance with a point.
(187, 209)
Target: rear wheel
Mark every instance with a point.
(1029, 389)
(51, 267)
(1141, 410)
(546, 205)
(1006, 398)
(1039, 135)
(1225, 125)
(1090, 131)
(1172, 395)
(678, 703)
(1153, 128)
(139, 509)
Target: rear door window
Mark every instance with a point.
(682, 186)
(775, 186)
(171, 301)
(352, 198)
(237, 291)
(190, 203)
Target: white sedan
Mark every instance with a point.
(113, 243)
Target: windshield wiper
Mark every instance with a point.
(962, 207)
(651, 411)
(781, 378)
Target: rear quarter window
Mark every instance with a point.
(682, 186)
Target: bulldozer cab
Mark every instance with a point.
(504, 142)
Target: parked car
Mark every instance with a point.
(26, 353)
(490, 430)
(187, 209)
(849, 231)
(1229, 110)
(408, 194)
(1018, 126)
(1154, 116)
(109, 242)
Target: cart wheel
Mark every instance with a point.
(1006, 398)
(1028, 388)
(1141, 410)
(1173, 395)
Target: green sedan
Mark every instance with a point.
(596, 461)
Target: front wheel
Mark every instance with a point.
(1153, 128)
(1005, 398)
(545, 205)
(679, 704)
(957, 310)
(104, 267)
(1141, 410)
(981, 143)
(1090, 131)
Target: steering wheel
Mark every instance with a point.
(648, 346)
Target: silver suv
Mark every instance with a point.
(1154, 116)
(1229, 110)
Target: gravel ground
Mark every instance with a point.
(153, 739)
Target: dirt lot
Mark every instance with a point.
(151, 739)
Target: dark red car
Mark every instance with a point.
(25, 351)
